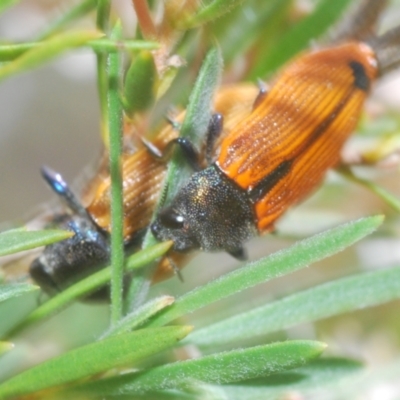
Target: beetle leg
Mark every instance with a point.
(263, 91)
(173, 122)
(153, 149)
(240, 254)
(190, 153)
(214, 130)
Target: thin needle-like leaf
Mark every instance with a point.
(17, 240)
(92, 359)
(9, 291)
(138, 317)
(47, 51)
(340, 296)
(227, 367)
(283, 262)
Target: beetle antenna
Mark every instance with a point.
(176, 269)
(61, 188)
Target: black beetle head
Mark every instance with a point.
(210, 213)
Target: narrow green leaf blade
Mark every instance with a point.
(140, 316)
(47, 50)
(16, 240)
(221, 368)
(9, 291)
(93, 358)
(194, 126)
(197, 117)
(340, 296)
(309, 381)
(278, 264)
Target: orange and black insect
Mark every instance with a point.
(64, 263)
(281, 152)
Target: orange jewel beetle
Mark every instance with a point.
(63, 263)
(280, 153)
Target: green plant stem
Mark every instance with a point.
(108, 70)
(386, 196)
(9, 52)
(47, 51)
(102, 23)
(117, 206)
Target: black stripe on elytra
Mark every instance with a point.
(361, 80)
(269, 181)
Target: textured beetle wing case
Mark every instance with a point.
(143, 175)
(282, 151)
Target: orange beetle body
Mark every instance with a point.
(64, 263)
(143, 175)
(276, 156)
(282, 151)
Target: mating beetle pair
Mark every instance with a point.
(273, 158)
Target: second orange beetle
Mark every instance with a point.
(278, 154)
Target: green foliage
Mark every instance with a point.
(138, 356)
(333, 298)
(194, 126)
(50, 48)
(90, 284)
(94, 358)
(283, 262)
(115, 121)
(17, 240)
(198, 113)
(220, 368)
(12, 290)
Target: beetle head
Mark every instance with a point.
(210, 213)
